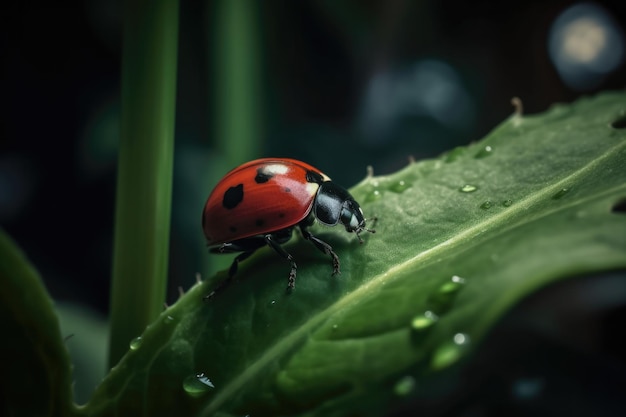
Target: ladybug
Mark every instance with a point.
(261, 202)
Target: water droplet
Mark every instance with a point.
(400, 186)
(197, 385)
(454, 154)
(168, 319)
(507, 203)
(559, 194)
(443, 298)
(272, 303)
(453, 286)
(467, 188)
(424, 321)
(205, 380)
(136, 343)
(457, 279)
(449, 288)
(460, 339)
(404, 386)
(373, 196)
(484, 152)
(450, 352)
(486, 205)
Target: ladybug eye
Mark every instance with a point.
(348, 219)
(352, 216)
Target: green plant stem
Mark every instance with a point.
(236, 87)
(144, 182)
(237, 80)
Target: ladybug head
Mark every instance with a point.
(333, 204)
(353, 220)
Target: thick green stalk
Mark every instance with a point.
(144, 183)
(236, 88)
(237, 80)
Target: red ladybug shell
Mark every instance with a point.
(260, 196)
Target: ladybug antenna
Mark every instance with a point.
(362, 227)
(373, 220)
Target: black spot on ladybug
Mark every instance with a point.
(315, 177)
(259, 222)
(262, 176)
(233, 229)
(233, 196)
(287, 189)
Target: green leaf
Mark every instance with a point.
(35, 366)
(459, 241)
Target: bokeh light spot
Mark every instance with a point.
(585, 44)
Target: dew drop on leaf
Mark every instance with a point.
(450, 352)
(205, 380)
(404, 386)
(467, 188)
(451, 287)
(424, 321)
(168, 319)
(135, 343)
(400, 186)
(197, 385)
(457, 279)
(484, 152)
(486, 205)
(559, 194)
(460, 339)
(442, 299)
(507, 203)
(373, 196)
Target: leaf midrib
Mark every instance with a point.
(286, 343)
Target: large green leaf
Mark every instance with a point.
(34, 365)
(460, 240)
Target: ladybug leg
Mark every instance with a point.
(322, 246)
(231, 273)
(291, 280)
(235, 265)
(247, 247)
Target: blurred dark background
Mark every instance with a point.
(341, 85)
